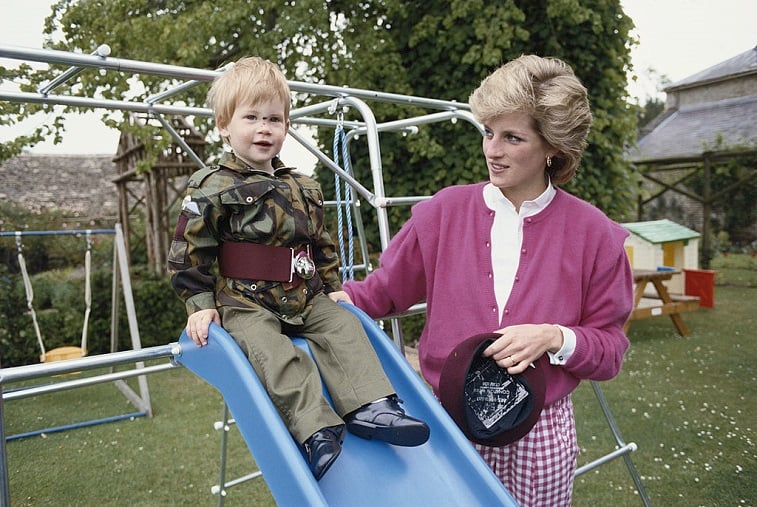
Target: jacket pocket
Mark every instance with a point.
(314, 198)
(251, 210)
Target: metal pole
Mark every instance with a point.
(73, 232)
(5, 496)
(374, 157)
(90, 103)
(32, 371)
(28, 372)
(189, 73)
(84, 382)
(102, 51)
(180, 141)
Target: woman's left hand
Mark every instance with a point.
(521, 345)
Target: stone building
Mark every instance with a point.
(710, 119)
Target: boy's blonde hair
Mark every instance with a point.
(548, 91)
(250, 80)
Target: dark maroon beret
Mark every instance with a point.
(489, 405)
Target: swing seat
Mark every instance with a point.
(63, 353)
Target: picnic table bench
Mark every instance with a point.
(663, 303)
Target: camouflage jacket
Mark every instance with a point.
(233, 202)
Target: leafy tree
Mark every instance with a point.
(649, 111)
(654, 103)
(447, 47)
(435, 48)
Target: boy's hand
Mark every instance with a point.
(340, 295)
(198, 324)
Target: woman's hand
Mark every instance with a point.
(198, 324)
(340, 295)
(521, 345)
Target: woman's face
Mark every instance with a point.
(516, 155)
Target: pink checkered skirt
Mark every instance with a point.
(538, 468)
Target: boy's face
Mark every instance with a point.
(256, 133)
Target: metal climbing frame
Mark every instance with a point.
(320, 114)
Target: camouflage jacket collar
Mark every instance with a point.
(231, 161)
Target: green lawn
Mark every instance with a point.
(686, 402)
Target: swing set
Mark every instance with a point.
(66, 351)
(141, 399)
(337, 100)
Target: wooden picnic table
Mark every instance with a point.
(672, 305)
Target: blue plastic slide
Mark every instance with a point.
(445, 471)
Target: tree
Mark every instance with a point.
(435, 48)
(447, 47)
(654, 101)
(649, 111)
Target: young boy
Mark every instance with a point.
(262, 223)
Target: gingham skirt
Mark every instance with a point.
(538, 468)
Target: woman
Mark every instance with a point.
(519, 257)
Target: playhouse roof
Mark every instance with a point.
(661, 231)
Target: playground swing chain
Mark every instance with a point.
(344, 209)
(65, 352)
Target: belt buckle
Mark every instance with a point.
(302, 265)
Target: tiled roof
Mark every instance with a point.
(78, 184)
(740, 64)
(694, 129)
(697, 126)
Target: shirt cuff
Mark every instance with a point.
(201, 301)
(568, 346)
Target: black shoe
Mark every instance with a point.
(322, 449)
(386, 420)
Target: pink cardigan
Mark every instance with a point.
(573, 271)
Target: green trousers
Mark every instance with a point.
(342, 352)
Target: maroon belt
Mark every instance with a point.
(253, 261)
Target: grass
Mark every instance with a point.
(687, 402)
(169, 459)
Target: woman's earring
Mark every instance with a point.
(549, 161)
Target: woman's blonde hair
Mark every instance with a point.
(548, 91)
(250, 80)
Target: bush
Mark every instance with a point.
(160, 312)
